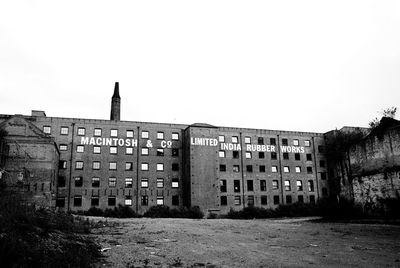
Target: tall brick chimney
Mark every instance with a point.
(116, 104)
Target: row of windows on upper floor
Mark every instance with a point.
(272, 141)
(261, 155)
(96, 165)
(112, 182)
(264, 200)
(275, 186)
(274, 169)
(128, 150)
(112, 201)
(81, 131)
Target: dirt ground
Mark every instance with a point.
(246, 243)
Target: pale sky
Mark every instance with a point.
(283, 65)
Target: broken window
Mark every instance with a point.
(250, 186)
(236, 186)
(223, 186)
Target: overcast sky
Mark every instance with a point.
(283, 65)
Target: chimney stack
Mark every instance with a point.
(116, 104)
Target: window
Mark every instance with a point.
(309, 170)
(175, 167)
(284, 142)
(64, 130)
(296, 142)
(299, 185)
(145, 134)
(276, 199)
(321, 149)
(175, 183)
(129, 166)
(62, 164)
(47, 129)
(96, 165)
(221, 153)
(250, 200)
(287, 185)
(288, 199)
(175, 152)
(222, 168)
(160, 152)
(145, 151)
(307, 143)
(248, 155)
(78, 181)
(144, 183)
(175, 200)
(160, 167)
(321, 163)
(114, 133)
(145, 166)
(247, 140)
(128, 200)
(175, 136)
(81, 131)
(286, 169)
(160, 183)
(112, 182)
(95, 182)
(77, 201)
(94, 201)
(286, 156)
(61, 181)
(113, 150)
(274, 169)
(235, 139)
(260, 140)
(261, 155)
(264, 200)
(63, 147)
(113, 166)
(129, 133)
(111, 201)
(128, 182)
(144, 200)
(297, 156)
(78, 165)
(236, 168)
(310, 186)
(272, 141)
(160, 200)
(236, 186)
(323, 175)
(80, 148)
(297, 169)
(128, 150)
(312, 199)
(263, 185)
(224, 201)
(250, 186)
(237, 200)
(221, 138)
(324, 191)
(249, 168)
(308, 157)
(96, 149)
(222, 184)
(97, 132)
(300, 199)
(160, 135)
(273, 156)
(262, 168)
(235, 154)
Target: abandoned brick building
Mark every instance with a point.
(79, 163)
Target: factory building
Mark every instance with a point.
(106, 163)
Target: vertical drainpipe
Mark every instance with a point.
(137, 171)
(280, 166)
(70, 167)
(316, 171)
(242, 166)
